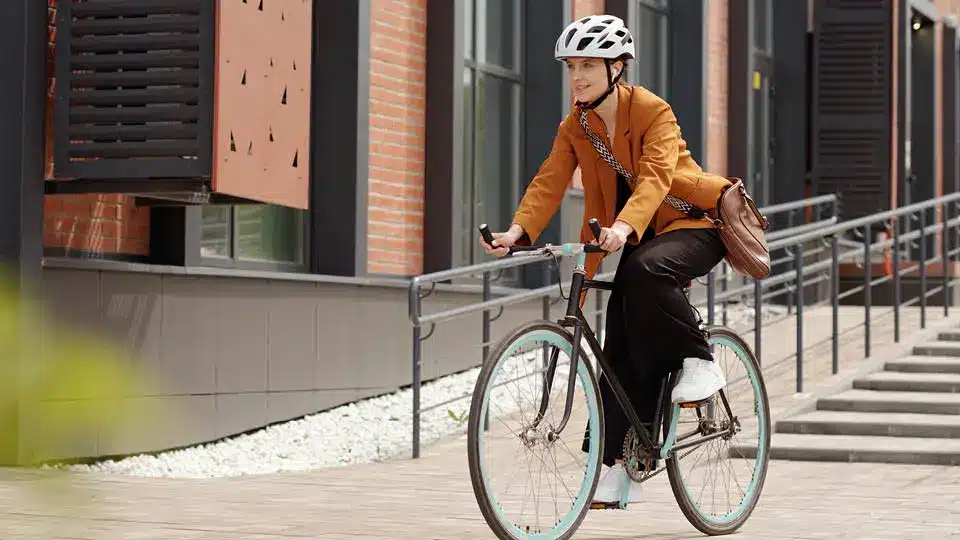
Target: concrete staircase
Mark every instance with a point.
(907, 413)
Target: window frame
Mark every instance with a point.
(194, 255)
(661, 9)
(516, 81)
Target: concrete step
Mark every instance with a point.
(949, 335)
(938, 348)
(943, 426)
(849, 448)
(925, 364)
(909, 382)
(892, 402)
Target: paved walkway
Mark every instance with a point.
(431, 498)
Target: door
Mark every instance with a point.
(760, 182)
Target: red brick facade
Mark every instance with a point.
(398, 89)
(110, 224)
(717, 77)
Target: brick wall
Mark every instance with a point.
(716, 159)
(398, 52)
(582, 8)
(97, 224)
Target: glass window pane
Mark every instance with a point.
(269, 233)
(760, 24)
(496, 152)
(497, 23)
(468, 29)
(215, 231)
(467, 236)
(649, 34)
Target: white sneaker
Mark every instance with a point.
(699, 380)
(614, 484)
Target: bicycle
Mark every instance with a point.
(642, 453)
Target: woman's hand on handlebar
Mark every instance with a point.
(614, 237)
(502, 241)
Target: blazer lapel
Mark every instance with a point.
(621, 144)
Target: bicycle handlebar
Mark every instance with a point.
(568, 248)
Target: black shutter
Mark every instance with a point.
(851, 116)
(133, 90)
(950, 155)
(951, 152)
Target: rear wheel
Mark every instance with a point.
(507, 444)
(697, 474)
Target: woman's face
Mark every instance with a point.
(588, 77)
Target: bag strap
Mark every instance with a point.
(679, 204)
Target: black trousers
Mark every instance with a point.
(650, 326)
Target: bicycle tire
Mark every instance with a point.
(569, 524)
(701, 522)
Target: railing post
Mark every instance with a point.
(485, 330)
(757, 319)
(723, 289)
(867, 287)
(835, 293)
(789, 297)
(923, 268)
(798, 263)
(417, 343)
(711, 294)
(896, 279)
(944, 260)
(599, 300)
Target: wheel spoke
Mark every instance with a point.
(722, 500)
(553, 498)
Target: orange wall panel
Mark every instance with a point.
(262, 104)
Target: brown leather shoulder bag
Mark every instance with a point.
(737, 218)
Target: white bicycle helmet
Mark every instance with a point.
(597, 36)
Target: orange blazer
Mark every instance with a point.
(648, 143)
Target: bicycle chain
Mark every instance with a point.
(635, 457)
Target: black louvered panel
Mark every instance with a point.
(951, 111)
(132, 95)
(851, 103)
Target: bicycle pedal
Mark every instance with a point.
(695, 404)
(605, 506)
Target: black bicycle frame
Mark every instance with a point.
(581, 329)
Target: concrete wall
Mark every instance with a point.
(232, 351)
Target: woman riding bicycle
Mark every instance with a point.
(651, 329)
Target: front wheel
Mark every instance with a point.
(716, 462)
(530, 482)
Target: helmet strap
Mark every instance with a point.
(611, 85)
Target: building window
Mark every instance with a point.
(648, 22)
(492, 82)
(255, 233)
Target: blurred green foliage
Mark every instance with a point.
(62, 391)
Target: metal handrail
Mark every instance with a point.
(418, 283)
(546, 293)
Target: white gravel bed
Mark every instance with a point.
(367, 431)
(362, 432)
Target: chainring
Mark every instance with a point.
(637, 461)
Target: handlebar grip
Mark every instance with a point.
(485, 232)
(595, 227)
